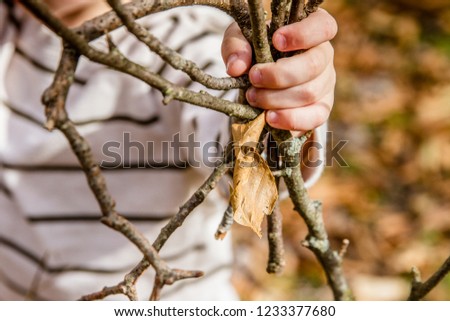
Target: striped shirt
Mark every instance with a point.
(154, 157)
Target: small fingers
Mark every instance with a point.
(301, 119)
(236, 51)
(317, 28)
(292, 71)
(292, 97)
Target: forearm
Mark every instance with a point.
(74, 12)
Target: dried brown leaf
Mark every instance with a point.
(254, 189)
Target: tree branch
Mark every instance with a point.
(107, 22)
(280, 15)
(172, 57)
(260, 40)
(117, 61)
(297, 11)
(276, 260)
(195, 200)
(419, 289)
(312, 6)
(76, 43)
(311, 212)
(225, 224)
(175, 222)
(121, 288)
(55, 100)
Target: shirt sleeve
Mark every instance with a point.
(313, 156)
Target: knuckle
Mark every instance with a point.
(309, 95)
(295, 36)
(314, 65)
(273, 75)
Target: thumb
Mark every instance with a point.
(236, 51)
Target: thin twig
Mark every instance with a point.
(172, 57)
(225, 224)
(176, 221)
(276, 261)
(98, 26)
(195, 200)
(290, 147)
(121, 288)
(419, 289)
(297, 11)
(117, 61)
(110, 217)
(77, 43)
(260, 40)
(311, 212)
(55, 100)
(280, 15)
(312, 6)
(344, 248)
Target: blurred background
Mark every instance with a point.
(392, 200)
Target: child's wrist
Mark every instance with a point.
(74, 13)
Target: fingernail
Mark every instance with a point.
(279, 41)
(231, 59)
(255, 76)
(251, 95)
(272, 117)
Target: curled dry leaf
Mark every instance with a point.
(254, 189)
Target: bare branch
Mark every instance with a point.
(225, 224)
(312, 6)
(121, 288)
(297, 11)
(311, 212)
(117, 61)
(260, 41)
(195, 200)
(110, 217)
(172, 57)
(419, 289)
(344, 248)
(280, 15)
(107, 22)
(55, 100)
(76, 43)
(276, 260)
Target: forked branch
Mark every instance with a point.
(420, 289)
(253, 25)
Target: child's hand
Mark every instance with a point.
(298, 91)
